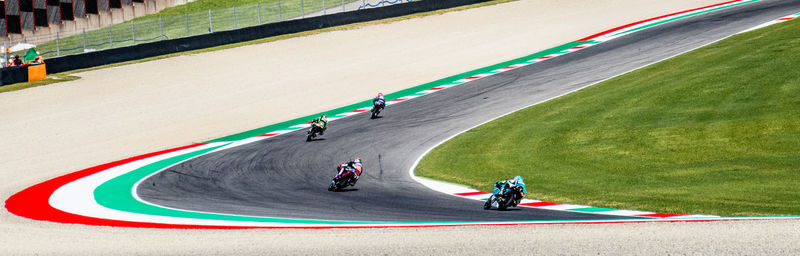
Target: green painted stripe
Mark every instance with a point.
(684, 16)
(117, 194)
(593, 209)
(398, 94)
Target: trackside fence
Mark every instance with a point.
(150, 29)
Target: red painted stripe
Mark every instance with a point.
(648, 20)
(471, 193)
(359, 110)
(578, 47)
(660, 215)
(267, 135)
(540, 204)
(509, 68)
(787, 18)
(473, 77)
(33, 202)
(398, 99)
(545, 57)
(436, 88)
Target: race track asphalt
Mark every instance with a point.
(287, 177)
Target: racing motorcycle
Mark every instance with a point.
(345, 177)
(508, 197)
(316, 127)
(376, 108)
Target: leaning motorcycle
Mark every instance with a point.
(508, 197)
(342, 180)
(376, 108)
(313, 130)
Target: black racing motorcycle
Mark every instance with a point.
(508, 197)
(343, 179)
(316, 127)
(377, 106)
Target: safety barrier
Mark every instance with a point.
(140, 51)
(380, 4)
(157, 48)
(11, 75)
(56, 42)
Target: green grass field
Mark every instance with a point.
(715, 131)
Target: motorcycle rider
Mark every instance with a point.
(379, 100)
(321, 122)
(504, 186)
(352, 166)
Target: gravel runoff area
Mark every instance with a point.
(124, 111)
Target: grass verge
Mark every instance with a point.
(69, 74)
(714, 131)
(51, 79)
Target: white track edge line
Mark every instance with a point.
(429, 182)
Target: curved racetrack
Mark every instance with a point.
(287, 177)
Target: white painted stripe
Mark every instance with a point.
(300, 126)
(563, 207)
(693, 216)
(481, 197)
(528, 201)
(443, 187)
(284, 131)
(77, 197)
(242, 142)
(410, 97)
(625, 213)
(450, 85)
(436, 187)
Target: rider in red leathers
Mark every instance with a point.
(353, 167)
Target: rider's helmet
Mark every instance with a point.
(358, 160)
(518, 180)
(380, 95)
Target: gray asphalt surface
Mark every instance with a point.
(288, 177)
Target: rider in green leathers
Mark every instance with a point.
(322, 123)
